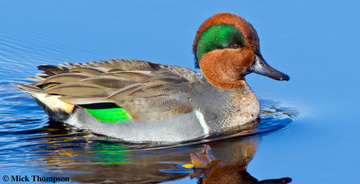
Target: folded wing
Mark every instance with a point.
(147, 91)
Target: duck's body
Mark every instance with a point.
(140, 101)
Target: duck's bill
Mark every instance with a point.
(261, 67)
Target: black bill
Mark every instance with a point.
(261, 67)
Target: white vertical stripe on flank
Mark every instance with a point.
(203, 124)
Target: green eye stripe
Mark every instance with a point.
(219, 37)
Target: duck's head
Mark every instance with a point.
(226, 48)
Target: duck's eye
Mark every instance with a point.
(235, 46)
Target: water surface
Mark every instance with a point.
(308, 129)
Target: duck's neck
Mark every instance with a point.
(228, 84)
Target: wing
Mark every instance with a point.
(147, 91)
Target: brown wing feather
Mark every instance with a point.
(52, 70)
(64, 78)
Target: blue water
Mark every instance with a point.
(309, 126)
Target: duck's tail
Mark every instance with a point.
(56, 109)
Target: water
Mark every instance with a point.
(308, 129)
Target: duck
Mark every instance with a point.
(145, 102)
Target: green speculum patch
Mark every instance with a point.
(219, 37)
(110, 115)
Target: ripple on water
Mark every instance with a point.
(286, 96)
(274, 116)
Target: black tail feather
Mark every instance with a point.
(56, 115)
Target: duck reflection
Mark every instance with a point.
(210, 170)
(92, 160)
